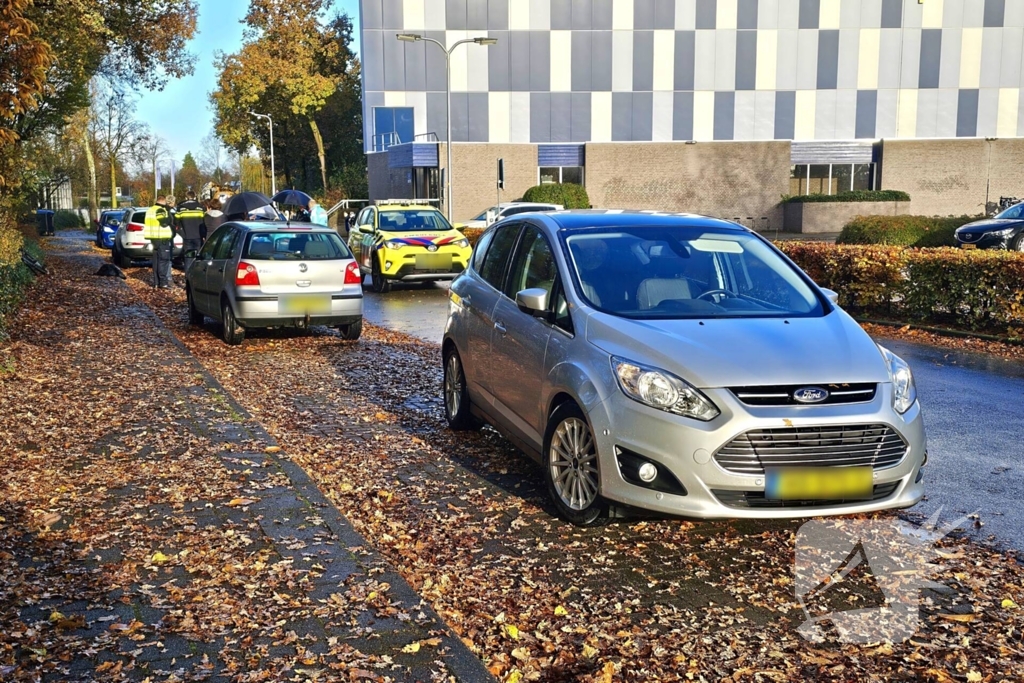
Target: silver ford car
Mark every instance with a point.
(270, 274)
(679, 364)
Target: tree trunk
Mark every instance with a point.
(320, 152)
(113, 183)
(91, 163)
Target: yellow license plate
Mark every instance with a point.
(968, 246)
(434, 262)
(303, 304)
(818, 483)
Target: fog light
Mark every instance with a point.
(387, 265)
(647, 472)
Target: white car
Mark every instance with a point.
(506, 209)
(130, 245)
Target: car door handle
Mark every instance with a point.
(500, 328)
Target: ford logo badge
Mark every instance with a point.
(810, 395)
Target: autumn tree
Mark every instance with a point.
(189, 175)
(290, 66)
(116, 128)
(212, 157)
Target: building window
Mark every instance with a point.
(560, 174)
(830, 178)
(392, 126)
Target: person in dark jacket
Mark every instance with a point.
(214, 216)
(189, 219)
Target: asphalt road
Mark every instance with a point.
(972, 405)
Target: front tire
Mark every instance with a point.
(380, 284)
(234, 334)
(572, 467)
(456, 396)
(352, 331)
(1017, 243)
(194, 316)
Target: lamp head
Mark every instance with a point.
(409, 37)
(485, 41)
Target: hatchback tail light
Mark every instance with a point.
(247, 274)
(352, 274)
(134, 227)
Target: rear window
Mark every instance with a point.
(295, 245)
(139, 217)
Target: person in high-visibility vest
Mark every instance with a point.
(159, 230)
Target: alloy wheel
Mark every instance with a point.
(453, 386)
(573, 461)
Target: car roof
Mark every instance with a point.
(395, 206)
(277, 226)
(614, 218)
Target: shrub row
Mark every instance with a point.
(904, 231)
(14, 275)
(973, 290)
(850, 196)
(68, 220)
(569, 195)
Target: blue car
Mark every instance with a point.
(106, 228)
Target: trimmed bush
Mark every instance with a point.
(14, 275)
(472, 234)
(68, 220)
(903, 231)
(569, 195)
(851, 196)
(971, 290)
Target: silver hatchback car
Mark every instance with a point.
(679, 364)
(271, 274)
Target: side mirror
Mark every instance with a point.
(368, 229)
(533, 301)
(191, 253)
(458, 226)
(831, 295)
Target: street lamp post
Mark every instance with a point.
(416, 37)
(273, 175)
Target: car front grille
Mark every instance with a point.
(756, 499)
(969, 236)
(782, 395)
(878, 446)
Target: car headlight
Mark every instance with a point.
(904, 389)
(1004, 233)
(462, 244)
(394, 245)
(662, 390)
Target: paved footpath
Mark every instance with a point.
(150, 529)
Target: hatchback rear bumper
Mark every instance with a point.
(263, 311)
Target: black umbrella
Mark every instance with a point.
(293, 198)
(238, 206)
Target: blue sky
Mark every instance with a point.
(181, 113)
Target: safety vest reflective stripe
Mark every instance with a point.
(190, 213)
(157, 225)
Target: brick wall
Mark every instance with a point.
(723, 179)
(954, 177)
(476, 172)
(384, 182)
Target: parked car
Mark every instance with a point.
(106, 227)
(275, 274)
(504, 210)
(407, 242)
(1005, 230)
(679, 364)
(129, 245)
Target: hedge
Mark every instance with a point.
(980, 290)
(904, 231)
(14, 275)
(851, 196)
(68, 220)
(569, 195)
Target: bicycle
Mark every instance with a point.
(34, 264)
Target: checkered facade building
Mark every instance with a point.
(579, 71)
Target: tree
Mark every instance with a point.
(212, 157)
(116, 128)
(189, 176)
(290, 66)
(151, 149)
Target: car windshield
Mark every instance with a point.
(1015, 212)
(294, 246)
(411, 221)
(668, 272)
